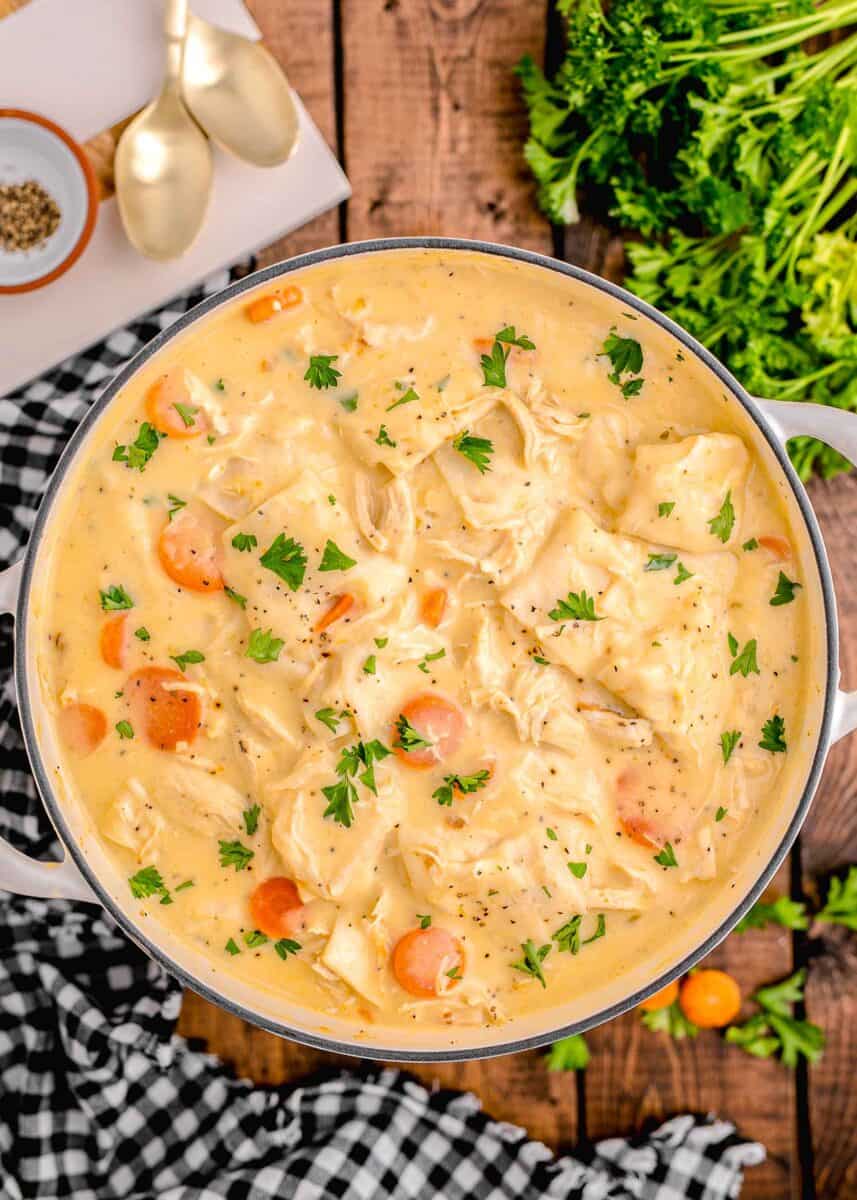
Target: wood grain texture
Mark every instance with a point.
(433, 121)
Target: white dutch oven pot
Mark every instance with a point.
(86, 874)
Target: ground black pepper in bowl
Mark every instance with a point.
(28, 215)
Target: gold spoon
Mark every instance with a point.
(163, 161)
(239, 95)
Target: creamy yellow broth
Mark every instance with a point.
(615, 704)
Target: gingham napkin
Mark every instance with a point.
(99, 1099)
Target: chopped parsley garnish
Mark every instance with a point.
(578, 869)
(334, 559)
(567, 937)
(381, 642)
(125, 730)
(137, 454)
(147, 882)
(660, 562)
(477, 449)
(181, 887)
(232, 947)
(254, 937)
(384, 439)
(531, 963)
(464, 784)
(665, 508)
(286, 946)
(342, 796)
(494, 364)
(263, 647)
(552, 834)
(176, 505)
(142, 634)
(682, 574)
(427, 658)
(785, 592)
(540, 659)
(424, 920)
(666, 857)
(407, 737)
(745, 662)
(236, 597)
(750, 544)
(250, 816)
(328, 717)
(728, 741)
(407, 397)
(776, 1029)
(220, 385)
(115, 599)
(189, 656)
(234, 854)
(244, 542)
(187, 413)
(348, 401)
(577, 606)
(721, 525)
(320, 374)
(286, 558)
(773, 735)
(509, 338)
(626, 358)
(370, 666)
(721, 813)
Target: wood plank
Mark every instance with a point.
(828, 843)
(433, 120)
(636, 1075)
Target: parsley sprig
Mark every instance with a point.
(407, 738)
(743, 663)
(321, 373)
(136, 455)
(286, 558)
(477, 449)
(465, 785)
(577, 606)
(354, 761)
(494, 364)
(722, 525)
(531, 962)
(785, 591)
(626, 358)
(115, 599)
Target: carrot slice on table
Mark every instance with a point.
(422, 957)
(662, 999)
(170, 406)
(276, 907)
(113, 641)
(82, 727)
(778, 546)
(710, 999)
(189, 551)
(338, 608)
(437, 720)
(163, 715)
(433, 606)
(274, 302)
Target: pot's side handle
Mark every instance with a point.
(838, 429)
(19, 874)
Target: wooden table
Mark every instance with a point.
(419, 100)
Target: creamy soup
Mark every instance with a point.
(426, 639)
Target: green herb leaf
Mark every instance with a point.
(682, 574)
(785, 591)
(508, 336)
(334, 559)
(328, 717)
(320, 374)
(533, 957)
(142, 633)
(840, 907)
(750, 544)
(286, 946)
(235, 854)
(137, 454)
(773, 735)
(381, 642)
(665, 508)
(263, 647)
(254, 937)
(189, 656)
(286, 558)
(232, 947)
(745, 662)
(494, 366)
(407, 397)
(250, 817)
(577, 606)
(477, 449)
(181, 887)
(370, 666)
(666, 857)
(176, 505)
(348, 401)
(721, 525)
(384, 439)
(464, 784)
(568, 1054)
(115, 599)
(660, 562)
(427, 658)
(728, 741)
(567, 937)
(625, 354)
(721, 813)
(341, 798)
(670, 1020)
(407, 737)
(424, 920)
(791, 914)
(578, 869)
(147, 882)
(125, 730)
(235, 597)
(187, 413)
(244, 542)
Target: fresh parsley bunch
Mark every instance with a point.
(727, 151)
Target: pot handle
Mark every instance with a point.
(838, 429)
(19, 874)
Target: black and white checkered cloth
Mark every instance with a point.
(99, 1100)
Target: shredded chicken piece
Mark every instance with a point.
(385, 515)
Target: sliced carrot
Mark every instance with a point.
(274, 302)
(633, 823)
(340, 606)
(82, 727)
(189, 551)
(162, 399)
(710, 999)
(778, 546)
(276, 907)
(113, 641)
(437, 720)
(662, 999)
(422, 957)
(163, 715)
(433, 606)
